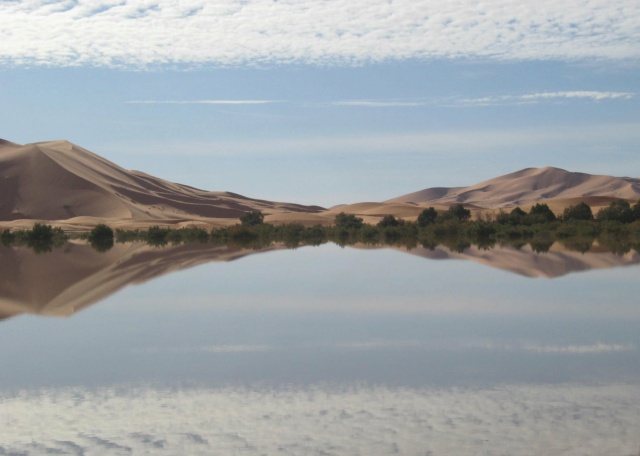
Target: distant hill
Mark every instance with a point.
(529, 186)
(58, 180)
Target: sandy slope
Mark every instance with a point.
(64, 184)
(529, 186)
(69, 279)
(58, 180)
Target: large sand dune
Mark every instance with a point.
(529, 186)
(66, 185)
(58, 180)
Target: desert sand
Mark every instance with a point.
(68, 186)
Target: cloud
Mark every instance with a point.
(143, 33)
(532, 98)
(205, 102)
(377, 104)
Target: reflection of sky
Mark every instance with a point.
(324, 419)
(373, 351)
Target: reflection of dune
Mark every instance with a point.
(73, 277)
(554, 263)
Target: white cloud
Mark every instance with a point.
(322, 419)
(139, 33)
(205, 102)
(531, 98)
(377, 104)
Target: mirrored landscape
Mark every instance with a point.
(205, 349)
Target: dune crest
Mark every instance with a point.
(58, 180)
(529, 186)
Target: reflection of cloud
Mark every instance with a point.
(139, 32)
(533, 347)
(239, 348)
(580, 349)
(546, 96)
(342, 419)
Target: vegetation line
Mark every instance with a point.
(616, 228)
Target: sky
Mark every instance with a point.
(327, 101)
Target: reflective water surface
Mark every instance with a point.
(319, 350)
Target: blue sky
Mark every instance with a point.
(327, 102)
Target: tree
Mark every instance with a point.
(618, 211)
(581, 211)
(389, 221)
(635, 210)
(459, 213)
(427, 217)
(348, 221)
(101, 237)
(540, 213)
(252, 218)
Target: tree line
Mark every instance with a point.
(616, 227)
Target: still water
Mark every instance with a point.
(320, 350)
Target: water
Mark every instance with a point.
(319, 350)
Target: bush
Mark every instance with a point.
(459, 213)
(618, 211)
(252, 218)
(540, 213)
(427, 217)
(581, 211)
(101, 237)
(348, 221)
(389, 221)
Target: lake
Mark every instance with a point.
(202, 349)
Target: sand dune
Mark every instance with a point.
(72, 278)
(529, 186)
(64, 184)
(58, 180)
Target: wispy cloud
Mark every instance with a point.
(140, 33)
(377, 104)
(204, 102)
(540, 97)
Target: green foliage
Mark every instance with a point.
(157, 236)
(389, 221)
(101, 237)
(348, 221)
(7, 238)
(516, 217)
(459, 213)
(427, 217)
(581, 211)
(540, 213)
(635, 210)
(252, 218)
(618, 211)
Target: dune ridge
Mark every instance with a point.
(66, 185)
(58, 180)
(529, 186)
